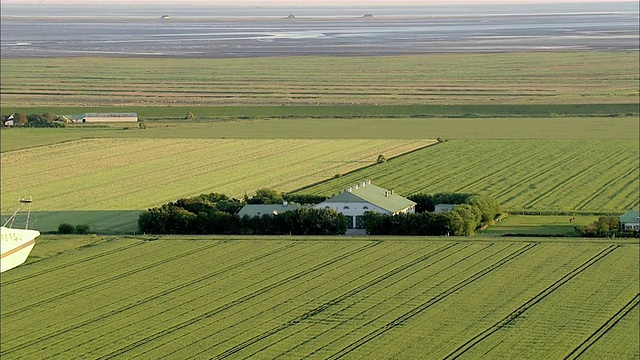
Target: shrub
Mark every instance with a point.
(65, 228)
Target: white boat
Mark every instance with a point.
(16, 244)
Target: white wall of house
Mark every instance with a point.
(352, 210)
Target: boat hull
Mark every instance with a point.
(15, 246)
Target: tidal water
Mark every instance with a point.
(103, 30)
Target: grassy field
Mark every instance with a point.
(510, 78)
(539, 225)
(588, 176)
(102, 182)
(333, 128)
(282, 297)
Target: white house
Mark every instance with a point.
(363, 197)
(630, 220)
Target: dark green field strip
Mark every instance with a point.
(511, 317)
(235, 262)
(300, 295)
(320, 266)
(353, 111)
(559, 319)
(454, 319)
(602, 330)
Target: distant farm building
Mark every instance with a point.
(440, 208)
(252, 210)
(363, 197)
(630, 220)
(104, 117)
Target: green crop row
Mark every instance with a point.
(202, 297)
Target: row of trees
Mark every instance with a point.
(36, 120)
(218, 214)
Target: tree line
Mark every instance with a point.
(471, 211)
(218, 214)
(36, 120)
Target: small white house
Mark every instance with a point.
(363, 197)
(630, 221)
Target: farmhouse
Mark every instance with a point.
(252, 210)
(104, 117)
(630, 220)
(363, 197)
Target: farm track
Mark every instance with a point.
(532, 302)
(604, 328)
(235, 302)
(408, 315)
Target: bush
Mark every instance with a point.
(65, 228)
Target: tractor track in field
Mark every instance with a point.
(245, 267)
(530, 303)
(505, 168)
(418, 309)
(604, 328)
(449, 266)
(604, 187)
(548, 191)
(107, 280)
(145, 300)
(247, 297)
(308, 315)
(218, 332)
(332, 302)
(72, 263)
(541, 172)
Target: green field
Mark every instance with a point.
(282, 297)
(509, 78)
(104, 183)
(588, 176)
(537, 225)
